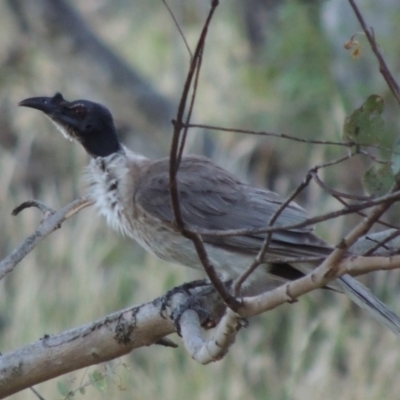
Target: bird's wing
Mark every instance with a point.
(212, 198)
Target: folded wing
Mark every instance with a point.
(212, 198)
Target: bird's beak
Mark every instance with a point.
(39, 103)
(45, 104)
(52, 107)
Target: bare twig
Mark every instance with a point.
(331, 264)
(383, 68)
(37, 394)
(372, 157)
(174, 166)
(263, 133)
(179, 28)
(288, 137)
(44, 208)
(349, 209)
(189, 114)
(264, 248)
(363, 227)
(362, 214)
(260, 258)
(48, 225)
(336, 194)
(340, 195)
(382, 243)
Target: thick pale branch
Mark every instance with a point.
(206, 351)
(96, 342)
(121, 332)
(360, 265)
(318, 278)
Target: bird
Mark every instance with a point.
(132, 192)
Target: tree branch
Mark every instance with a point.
(177, 144)
(108, 338)
(121, 332)
(383, 68)
(48, 225)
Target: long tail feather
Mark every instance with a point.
(367, 301)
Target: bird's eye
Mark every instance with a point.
(78, 111)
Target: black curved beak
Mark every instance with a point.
(44, 104)
(38, 103)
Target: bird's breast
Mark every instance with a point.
(111, 188)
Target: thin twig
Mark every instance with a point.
(48, 225)
(259, 259)
(285, 136)
(44, 208)
(382, 243)
(334, 193)
(362, 214)
(373, 158)
(330, 163)
(176, 150)
(332, 261)
(179, 28)
(263, 133)
(339, 196)
(189, 114)
(350, 209)
(37, 394)
(383, 68)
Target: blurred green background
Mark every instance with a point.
(277, 66)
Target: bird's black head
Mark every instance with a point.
(89, 123)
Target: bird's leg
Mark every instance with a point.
(185, 289)
(166, 342)
(206, 303)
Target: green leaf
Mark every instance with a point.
(378, 179)
(62, 388)
(365, 125)
(97, 379)
(396, 159)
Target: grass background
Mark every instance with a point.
(297, 79)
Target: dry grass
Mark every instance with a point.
(316, 348)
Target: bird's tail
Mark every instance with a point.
(367, 301)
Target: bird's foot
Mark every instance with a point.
(207, 304)
(185, 289)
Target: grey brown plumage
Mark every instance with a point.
(212, 198)
(132, 193)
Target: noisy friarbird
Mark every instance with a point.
(132, 193)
